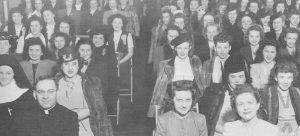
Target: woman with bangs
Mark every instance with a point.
(281, 99)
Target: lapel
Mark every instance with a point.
(39, 69)
(212, 63)
(248, 54)
(28, 71)
(284, 51)
(274, 103)
(112, 43)
(170, 68)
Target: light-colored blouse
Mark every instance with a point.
(260, 73)
(171, 124)
(183, 69)
(256, 128)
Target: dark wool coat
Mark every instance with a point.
(18, 107)
(211, 105)
(270, 102)
(59, 122)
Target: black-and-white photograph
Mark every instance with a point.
(149, 67)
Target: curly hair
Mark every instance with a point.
(223, 38)
(182, 85)
(255, 28)
(259, 55)
(34, 41)
(242, 89)
(59, 34)
(120, 16)
(68, 21)
(284, 65)
(164, 39)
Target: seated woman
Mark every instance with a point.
(82, 94)
(266, 58)
(35, 63)
(246, 103)
(15, 97)
(36, 29)
(58, 41)
(181, 120)
(282, 99)
(172, 70)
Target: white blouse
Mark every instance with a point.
(183, 70)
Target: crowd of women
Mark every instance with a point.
(235, 61)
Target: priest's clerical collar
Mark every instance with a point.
(46, 111)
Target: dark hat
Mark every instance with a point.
(294, 12)
(7, 36)
(276, 15)
(34, 41)
(68, 54)
(180, 39)
(263, 13)
(235, 63)
(10, 61)
(231, 7)
(19, 75)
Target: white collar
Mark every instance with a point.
(93, 11)
(10, 92)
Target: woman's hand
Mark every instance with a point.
(82, 113)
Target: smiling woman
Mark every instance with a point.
(35, 65)
(246, 103)
(281, 99)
